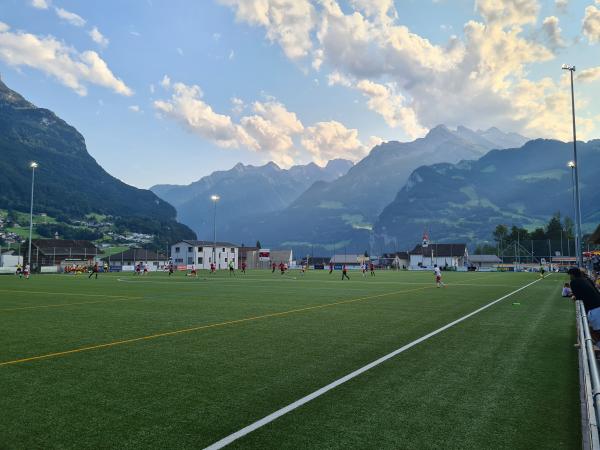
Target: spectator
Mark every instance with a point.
(566, 292)
(583, 289)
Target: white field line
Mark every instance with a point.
(298, 403)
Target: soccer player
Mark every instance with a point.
(303, 269)
(438, 276)
(344, 272)
(137, 269)
(282, 268)
(106, 268)
(330, 268)
(363, 267)
(244, 267)
(542, 270)
(26, 271)
(213, 268)
(19, 271)
(94, 271)
(274, 267)
(193, 272)
(372, 267)
(231, 269)
(145, 268)
(170, 269)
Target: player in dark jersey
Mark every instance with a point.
(344, 272)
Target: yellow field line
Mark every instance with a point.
(58, 305)
(203, 327)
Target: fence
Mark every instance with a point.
(589, 382)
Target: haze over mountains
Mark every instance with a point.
(245, 191)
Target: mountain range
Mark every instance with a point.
(244, 191)
(466, 201)
(330, 211)
(69, 182)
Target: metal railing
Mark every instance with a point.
(590, 382)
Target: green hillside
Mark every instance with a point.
(69, 182)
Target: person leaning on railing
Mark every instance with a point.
(584, 290)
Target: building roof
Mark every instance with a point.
(64, 247)
(209, 243)
(441, 250)
(347, 259)
(136, 254)
(400, 255)
(484, 259)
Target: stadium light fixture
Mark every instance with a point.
(575, 168)
(215, 198)
(571, 164)
(33, 165)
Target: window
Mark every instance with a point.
(179, 260)
(223, 249)
(190, 249)
(190, 260)
(200, 249)
(232, 250)
(176, 249)
(200, 260)
(225, 259)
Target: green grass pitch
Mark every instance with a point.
(156, 362)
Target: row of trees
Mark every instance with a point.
(558, 228)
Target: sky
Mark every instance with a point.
(167, 91)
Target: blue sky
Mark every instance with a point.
(151, 90)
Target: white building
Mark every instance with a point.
(200, 254)
(444, 255)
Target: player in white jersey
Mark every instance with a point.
(438, 276)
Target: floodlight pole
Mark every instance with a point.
(33, 166)
(579, 241)
(215, 199)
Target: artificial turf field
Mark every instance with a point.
(168, 363)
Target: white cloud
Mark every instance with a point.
(186, 106)
(98, 37)
(134, 108)
(287, 22)
(231, 55)
(70, 67)
(553, 32)
(238, 105)
(589, 75)
(165, 82)
(328, 140)
(40, 4)
(508, 12)
(591, 24)
(71, 17)
(271, 129)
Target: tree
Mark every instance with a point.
(517, 234)
(554, 227)
(538, 234)
(486, 249)
(568, 227)
(500, 233)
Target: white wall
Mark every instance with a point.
(201, 257)
(10, 260)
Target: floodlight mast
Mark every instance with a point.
(575, 167)
(33, 165)
(215, 198)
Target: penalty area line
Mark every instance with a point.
(298, 403)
